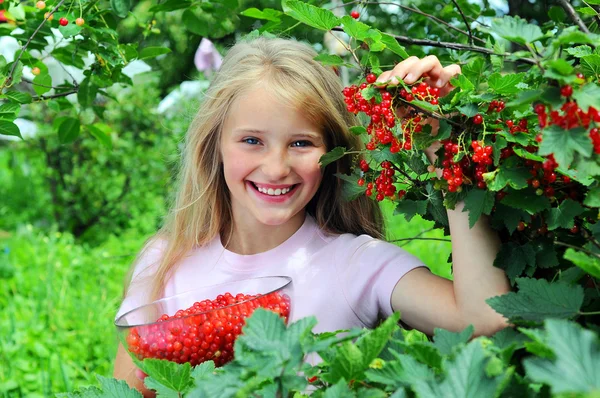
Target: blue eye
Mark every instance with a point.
(250, 140)
(303, 142)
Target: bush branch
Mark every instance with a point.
(581, 249)
(462, 14)
(571, 11)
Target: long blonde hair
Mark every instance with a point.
(202, 207)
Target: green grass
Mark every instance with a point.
(58, 299)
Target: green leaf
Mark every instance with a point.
(588, 263)
(268, 14)
(508, 174)
(410, 208)
(42, 84)
(463, 83)
(425, 352)
(87, 93)
(564, 143)
(203, 370)
(18, 96)
(68, 130)
(168, 374)
(575, 369)
(310, 15)
(404, 371)
(358, 130)
(572, 35)
(101, 132)
(9, 128)
(9, 109)
(525, 97)
(465, 376)
(563, 215)
(371, 343)
(355, 28)
(509, 217)
(514, 258)
(505, 85)
(557, 14)
(478, 202)
(392, 44)
(112, 388)
(516, 29)
(592, 198)
(545, 253)
(346, 364)
(436, 205)
(333, 155)
(526, 200)
(468, 110)
(120, 7)
(151, 52)
(171, 5)
(339, 390)
(579, 51)
(537, 300)
(333, 60)
(560, 67)
(590, 65)
(588, 95)
(350, 188)
(446, 341)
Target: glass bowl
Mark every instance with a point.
(201, 324)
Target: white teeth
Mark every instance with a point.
(274, 192)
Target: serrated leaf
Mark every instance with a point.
(426, 353)
(120, 7)
(347, 363)
(112, 388)
(446, 341)
(392, 44)
(333, 155)
(509, 216)
(18, 96)
(579, 51)
(557, 14)
(564, 143)
(358, 130)
(264, 330)
(588, 95)
(525, 97)
(203, 370)
(152, 52)
(527, 200)
(404, 371)
(371, 343)
(505, 85)
(355, 28)
(168, 374)
(592, 198)
(537, 300)
(268, 14)
(339, 390)
(330, 60)
(9, 128)
(560, 67)
(410, 208)
(587, 262)
(310, 15)
(590, 65)
(478, 202)
(563, 215)
(545, 253)
(436, 205)
(509, 173)
(468, 110)
(514, 258)
(575, 369)
(516, 29)
(171, 5)
(463, 83)
(350, 188)
(465, 376)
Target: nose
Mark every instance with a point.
(277, 165)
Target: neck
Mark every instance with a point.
(254, 237)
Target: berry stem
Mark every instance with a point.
(428, 113)
(581, 249)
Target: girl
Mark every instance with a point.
(253, 201)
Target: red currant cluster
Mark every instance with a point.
(382, 115)
(384, 183)
(423, 92)
(205, 331)
(482, 159)
(542, 183)
(496, 106)
(521, 126)
(595, 136)
(452, 172)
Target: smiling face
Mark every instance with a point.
(270, 155)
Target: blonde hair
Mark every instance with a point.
(202, 207)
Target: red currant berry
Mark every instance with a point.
(361, 182)
(371, 78)
(355, 14)
(478, 119)
(63, 21)
(566, 90)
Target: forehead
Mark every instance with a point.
(262, 109)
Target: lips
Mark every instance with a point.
(275, 191)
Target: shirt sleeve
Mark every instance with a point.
(138, 291)
(369, 272)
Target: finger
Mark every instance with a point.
(429, 66)
(140, 374)
(399, 72)
(449, 72)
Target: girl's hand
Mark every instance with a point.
(412, 69)
(140, 374)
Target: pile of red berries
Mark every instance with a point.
(423, 92)
(452, 172)
(482, 158)
(496, 106)
(205, 331)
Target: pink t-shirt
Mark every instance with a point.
(345, 281)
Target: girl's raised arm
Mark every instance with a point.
(427, 301)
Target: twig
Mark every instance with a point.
(452, 46)
(571, 11)
(415, 238)
(429, 113)
(419, 234)
(16, 61)
(462, 14)
(581, 249)
(41, 85)
(43, 98)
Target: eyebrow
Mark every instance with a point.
(314, 136)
